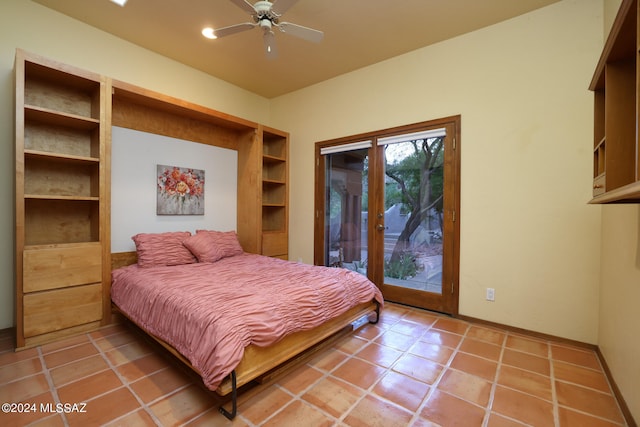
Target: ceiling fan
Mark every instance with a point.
(266, 15)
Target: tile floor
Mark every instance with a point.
(414, 368)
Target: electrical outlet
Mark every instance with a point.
(491, 294)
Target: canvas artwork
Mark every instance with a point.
(180, 191)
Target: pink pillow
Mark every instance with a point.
(160, 249)
(217, 244)
(204, 247)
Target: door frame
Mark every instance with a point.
(445, 303)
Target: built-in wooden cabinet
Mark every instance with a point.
(263, 193)
(61, 199)
(616, 154)
(275, 212)
(63, 144)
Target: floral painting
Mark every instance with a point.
(180, 191)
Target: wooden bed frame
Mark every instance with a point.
(260, 364)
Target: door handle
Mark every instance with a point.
(381, 227)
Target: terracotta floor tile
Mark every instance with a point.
(396, 340)
(145, 365)
(451, 325)
(213, 418)
(128, 352)
(491, 336)
(114, 340)
(418, 368)
(586, 377)
(11, 356)
(569, 418)
(575, 356)
(350, 345)
(497, 420)
(78, 369)
(182, 406)
(64, 343)
(328, 361)
(104, 409)
(35, 412)
(441, 337)
(19, 369)
(50, 421)
(438, 353)
(358, 372)
(108, 330)
(422, 317)
(475, 365)
(530, 362)
(374, 412)
(525, 381)
(522, 407)
(379, 354)
(466, 386)
(160, 383)
(298, 413)
(24, 389)
(89, 387)
(447, 410)
(403, 390)
(406, 327)
(140, 418)
(333, 396)
(369, 332)
(70, 354)
(260, 407)
(480, 348)
(526, 345)
(589, 401)
(300, 379)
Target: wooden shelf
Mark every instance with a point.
(61, 200)
(59, 157)
(43, 115)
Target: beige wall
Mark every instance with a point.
(27, 25)
(521, 88)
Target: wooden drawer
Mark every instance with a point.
(274, 244)
(52, 268)
(599, 185)
(61, 308)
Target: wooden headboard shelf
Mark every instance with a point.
(122, 259)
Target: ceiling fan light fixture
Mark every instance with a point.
(209, 33)
(265, 24)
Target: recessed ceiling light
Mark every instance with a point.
(120, 2)
(209, 33)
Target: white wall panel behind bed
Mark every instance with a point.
(134, 159)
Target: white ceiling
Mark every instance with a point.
(357, 33)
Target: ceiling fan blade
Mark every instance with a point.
(244, 5)
(281, 6)
(233, 29)
(270, 47)
(305, 33)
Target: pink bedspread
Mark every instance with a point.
(211, 312)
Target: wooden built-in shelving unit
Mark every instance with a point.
(616, 154)
(61, 199)
(63, 144)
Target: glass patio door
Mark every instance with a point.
(386, 208)
(346, 222)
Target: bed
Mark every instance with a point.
(230, 316)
